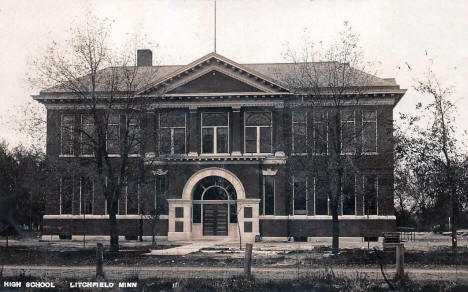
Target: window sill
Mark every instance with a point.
(215, 154)
(87, 155)
(369, 153)
(113, 155)
(257, 154)
(66, 155)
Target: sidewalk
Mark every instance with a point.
(184, 249)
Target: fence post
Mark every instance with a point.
(100, 261)
(248, 260)
(400, 260)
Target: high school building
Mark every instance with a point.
(237, 152)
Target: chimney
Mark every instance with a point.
(144, 58)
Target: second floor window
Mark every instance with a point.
(299, 129)
(87, 134)
(369, 132)
(257, 132)
(66, 134)
(348, 132)
(113, 134)
(215, 132)
(172, 133)
(320, 128)
(134, 135)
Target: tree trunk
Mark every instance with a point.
(114, 229)
(336, 230)
(454, 221)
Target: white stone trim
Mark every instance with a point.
(213, 171)
(89, 216)
(275, 238)
(326, 217)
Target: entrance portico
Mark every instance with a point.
(213, 206)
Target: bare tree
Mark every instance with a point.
(328, 90)
(102, 88)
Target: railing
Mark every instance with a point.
(407, 233)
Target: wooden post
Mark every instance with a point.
(400, 261)
(248, 260)
(100, 261)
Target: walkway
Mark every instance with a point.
(185, 249)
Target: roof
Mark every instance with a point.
(275, 73)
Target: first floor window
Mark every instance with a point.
(196, 213)
(172, 133)
(87, 195)
(233, 213)
(257, 134)
(349, 195)
(300, 194)
(133, 198)
(370, 187)
(66, 195)
(321, 196)
(268, 195)
(67, 126)
(161, 195)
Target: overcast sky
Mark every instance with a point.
(392, 33)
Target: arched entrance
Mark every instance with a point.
(214, 205)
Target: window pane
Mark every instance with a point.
(161, 196)
(132, 198)
(258, 119)
(113, 119)
(321, 197)
(347, 116)
(67, 134)
(369, 116)
(347, 138)
(66, 195)
(179, 141)
(113, 135)
(269, 195)
(265, 140)
(370, 195)
(165, 141)
(250, 140)
(172, 119)
(233, 213)
(300, 144)
(134, 138)
(86, 139)
(299, 116)
(369, 136)
(349, 198)
(196, 209)
(222, 140)
(215, 119)
(207, 140)
(320, 138)
(87, 198)
(300, 195)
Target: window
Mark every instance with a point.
(113, 134)
(66, 195)
(134, 135)
(348, 145)
(87, 134)
(196, 209)
(247, 227)
(66, 134)
(179, 226)
(321, 196)
(300, 194)
(299, 129)
(116, 202)
(248, 212)
(268, 195)
(160, 194)
(257, 135)
(370, 187)
(369, 131)
(320, 128)
(87, 195)
(349, 195)
(179, 212)
(172, 133)
(133, 198)
(215, 132)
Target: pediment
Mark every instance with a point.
(214, 81)
(214, 74)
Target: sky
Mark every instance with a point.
(396, 35)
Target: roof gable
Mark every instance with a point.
(217, 70)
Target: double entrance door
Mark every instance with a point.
(215, 219)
